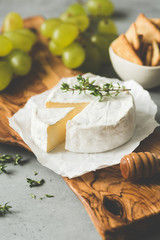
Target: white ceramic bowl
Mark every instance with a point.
(148, 77)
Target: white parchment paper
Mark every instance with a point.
(71, 164)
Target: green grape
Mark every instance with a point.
(81, 21)
(103, 40)
(28, 33)
(73, 10)
(6, 74)
(5, 46)
(48, 26)
(19, 40)
(76, 9)
(73, 55)
(100, 7)
(65, 34)
(12, 21)
(107, 26)
(102, 43)
(92, 61)
(111, 37)
(56, 50)
(20, 62)
(100, 40)
(64, 16)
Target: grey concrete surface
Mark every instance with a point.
(62, 217)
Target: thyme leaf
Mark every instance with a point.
(4, 209)
(46, 196)
(2, 168)
(17, 159)
(107, 90)
(34, 183)
(33, 196)
(49, 196)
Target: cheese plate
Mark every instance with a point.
(117, 208)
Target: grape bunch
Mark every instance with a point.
(15, 44)
(82, 34)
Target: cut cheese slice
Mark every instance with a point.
(48, 126)
(78, 106)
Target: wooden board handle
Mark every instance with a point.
(141, 165)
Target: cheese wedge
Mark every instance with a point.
(48, 126)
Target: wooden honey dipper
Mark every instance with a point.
(138, 166)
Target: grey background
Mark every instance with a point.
(62, 217)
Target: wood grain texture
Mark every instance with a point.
(117, 207)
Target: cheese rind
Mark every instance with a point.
(102, 126)
(58, 96)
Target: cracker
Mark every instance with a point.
(124, 49)
(156, 54)
(145, 27)
(155, 21)
(133, 37)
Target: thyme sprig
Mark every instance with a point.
(107, 90)
(2, 168)
(5, 158)
(4, 209)
(34, 183)
(49, 195)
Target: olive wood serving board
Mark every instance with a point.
(119, 209)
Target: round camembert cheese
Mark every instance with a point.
(82, 121)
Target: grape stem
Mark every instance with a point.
(107, 90)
